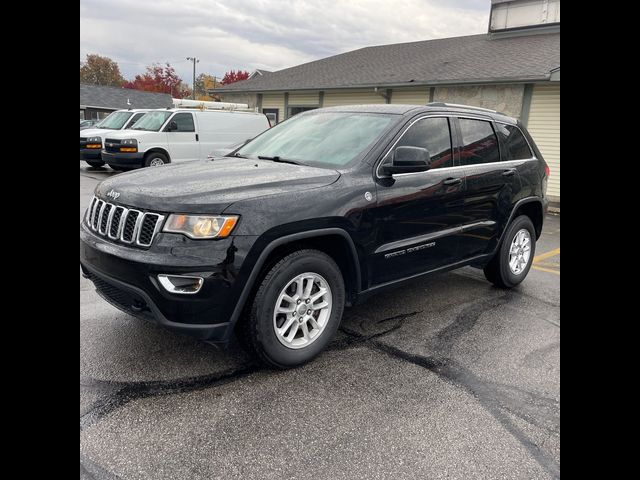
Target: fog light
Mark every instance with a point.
(181, 284)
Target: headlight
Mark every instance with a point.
(129, 141)
(201, 226)
(130, 145)
(94, 140)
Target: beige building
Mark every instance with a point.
(514, 69)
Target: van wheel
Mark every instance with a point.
(95, 164)
(513, 260)
(155, 159)
(296, 310)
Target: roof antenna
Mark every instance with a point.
(129, 103)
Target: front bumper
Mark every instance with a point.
(123, 159)
(90, 154)
(127, 278)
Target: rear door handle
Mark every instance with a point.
(508, 173)
(452, 181)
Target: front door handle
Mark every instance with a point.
(509, 173)
(197, 137)
(452, 181)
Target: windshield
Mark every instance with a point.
(114, 121)
(151, 121)
(323, 139)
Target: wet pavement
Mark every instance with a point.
(447, 377)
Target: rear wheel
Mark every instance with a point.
(95, 163)
(296, 310)
(514, 257)
(155, 159)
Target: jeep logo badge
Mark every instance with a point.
(113, 194)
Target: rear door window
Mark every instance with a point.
(515, 145)
(479, 142)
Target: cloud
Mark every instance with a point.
(267, 34)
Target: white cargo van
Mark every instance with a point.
(180, 134)
(92, 139)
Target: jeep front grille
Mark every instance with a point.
(121, 224)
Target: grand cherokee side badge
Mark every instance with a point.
(113, 194)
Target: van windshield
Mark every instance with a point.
(115, 120)
(151, 121)
(323, 139)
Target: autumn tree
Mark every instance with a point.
(97, 70)
(204, 82)
(233, 76)
(160, 79)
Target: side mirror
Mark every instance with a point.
(409, 160)
(172, 126)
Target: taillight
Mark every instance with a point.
(547, 172)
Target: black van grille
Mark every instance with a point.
(121, 224)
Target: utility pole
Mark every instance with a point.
(193, 90)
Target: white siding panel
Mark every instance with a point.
(274, 100)
(351, 97)
(304, 98)
(544, 127)
(410, 96)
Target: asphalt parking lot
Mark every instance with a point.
(448, 377)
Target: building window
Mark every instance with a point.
(296, 110)
(272, 115)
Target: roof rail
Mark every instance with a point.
(457, 105)
(207, 105)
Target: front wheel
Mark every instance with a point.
(514, 257)
(155, 159)
(296, 310)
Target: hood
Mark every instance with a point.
(96, 132)
(128, 133)
(207, 186)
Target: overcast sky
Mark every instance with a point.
(267, 34)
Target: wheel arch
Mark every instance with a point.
(158, 150)
(335, 242)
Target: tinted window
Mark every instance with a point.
(184, 122)
(515, 144)
(434, 135)
(479, 142)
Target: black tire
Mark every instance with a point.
(155, 156)
(257, 329)
(95, 163)
(497, 270)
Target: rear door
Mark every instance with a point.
(491, 185)
(417, 214)
(183, 143)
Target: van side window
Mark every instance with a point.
(434, 135)
(515, 144)
(134, 119)
(479, 142)
(184, 122)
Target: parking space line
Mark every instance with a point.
(544, 256)
(548, 270)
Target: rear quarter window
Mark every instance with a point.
(515, 145)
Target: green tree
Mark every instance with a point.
(99, 70)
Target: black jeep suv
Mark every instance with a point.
(316, 213)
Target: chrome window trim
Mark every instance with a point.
(456, 167)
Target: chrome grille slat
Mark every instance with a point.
(101, 218)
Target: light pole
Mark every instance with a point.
(193, 89)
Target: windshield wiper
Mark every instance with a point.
(276, 158)
(237, 155)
